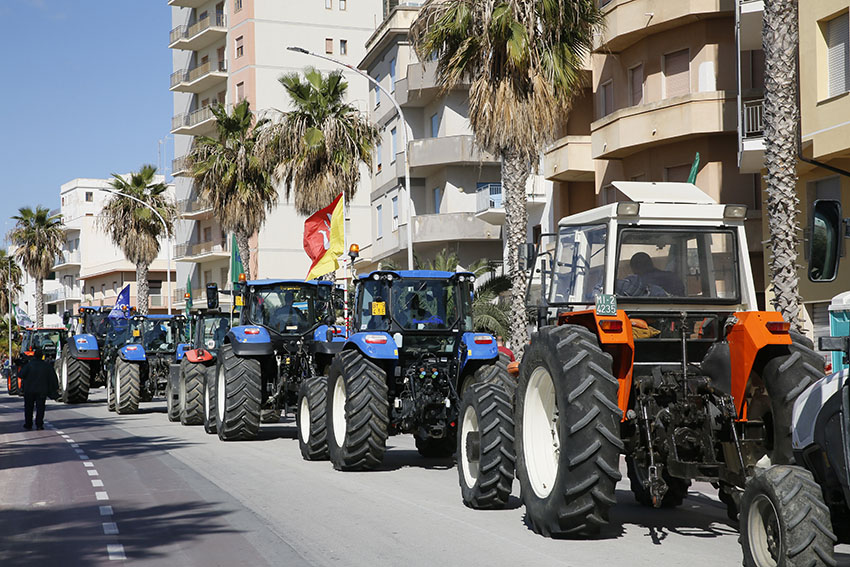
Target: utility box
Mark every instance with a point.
(839, 325)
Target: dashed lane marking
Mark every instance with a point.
(110, 528)
(116, 552)
(106, 510)
(88, 464)
(92, 472)
(84, 457)
(97, 483)
(101, 495)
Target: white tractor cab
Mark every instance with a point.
(650, 343)
(794, 514)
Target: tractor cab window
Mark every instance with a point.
(118, 331)
(214, 330)
(372, 304)
(579, 271)
(96, 323)
(47, 341)
(424, 304)
(286, 308)
(689, 265)
(155, 335)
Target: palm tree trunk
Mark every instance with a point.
(142, 288)
(515, 173)
(39, 302)
(242, 241)
(779, 40)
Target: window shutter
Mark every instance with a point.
(677, 80)
(636, 80)
(836, 46)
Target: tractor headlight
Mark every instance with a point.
(735, 212)
(628, 209)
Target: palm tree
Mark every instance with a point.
(10, 280)
(230, 177)
(39, 237)
(524, 60)
(781, 114)
(134, 228)
(316, 149)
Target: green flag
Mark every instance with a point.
(692, 177)
(189, 305)
(236, 267)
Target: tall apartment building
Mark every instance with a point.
(224, 52)
(456, 192)
(90, 269)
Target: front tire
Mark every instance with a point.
(75, 377)
(784, 520)
(485, 447)
(127, 384)
(497, 373)
(191, 392)
(311, 418)
(567, 420)
(358, 413)
(172, 405)
(110, 390)
(239, 388)
(210, 397)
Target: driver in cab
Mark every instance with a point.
(287, 315)
(414, 313)
(653, 278)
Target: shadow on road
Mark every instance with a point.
(72, 535)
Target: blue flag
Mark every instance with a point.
(122, 304)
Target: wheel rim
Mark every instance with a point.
(765, 537)
(339, 411)
(219, 392)
(117, 386)
(206, 399)
(540, 438)
(469, 425)
(64, 375)
(304, 419)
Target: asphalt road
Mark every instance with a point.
(95, 487)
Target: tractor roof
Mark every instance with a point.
(274, 282)
(160, 317)
(433, 274)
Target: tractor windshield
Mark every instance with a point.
(96, 323)
(214, 330)
(155, 335)
(288, 309)
(579, 271)
(685, 264)
(425, 304)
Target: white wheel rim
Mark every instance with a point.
(304, 417)
(64, 375)
(219, 393)
(117, 386)
(339, 411)
(540, 438)
(468, 425)
(765, 537)
(206, 399)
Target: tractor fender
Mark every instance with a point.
(320, 334)
(181, 351)
(83, 347)
(328, 348)
(479, 346)
(132, 353)
(375, 344)
(812, 407)
(250, 340)
(196, 355)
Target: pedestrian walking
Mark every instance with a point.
(39, 381)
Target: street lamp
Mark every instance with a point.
(403, 131)
(167, 235)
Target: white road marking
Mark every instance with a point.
(106, 510)
(101, 495)
(66, 436)
(59, 432)
(75, 445)
(97, 482)
(78, 451)
(110, 528)
(92, 472)
(88, 464)
(84, 457)
(116, 551)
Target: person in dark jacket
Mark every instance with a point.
(38, 380)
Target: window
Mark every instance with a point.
(237, 5)
(438, 197)
(677, 79)
(379, 220)
(677, 173)
(377, 92)
(222, 96)
(606, 98)
(342, 4)
(114, 287)
(91, 292)
(240, 47)
(395, 213)
(89, 196)
(329, 45)
(636, 85)
(329, 4)
(435, 125)
(378, 159)
(240, 92)
(394, 137)
(392, 75)
(220, 54)
(836, 54)
(343, 47)
(207, 234)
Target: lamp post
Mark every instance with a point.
(167, 236)
(404, 135)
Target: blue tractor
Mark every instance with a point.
(414, 364)
(142, 360)
(285, 340)
(79, 366)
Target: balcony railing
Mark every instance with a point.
(188, 32)
(179, 165)
(68, 257)
(200, 248)
(489, 196)
(192, 205)
(62, 294)
(191, 119)
(754, 118)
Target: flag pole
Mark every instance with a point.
(344, 263)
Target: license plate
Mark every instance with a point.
(379, 308)
(606, 304)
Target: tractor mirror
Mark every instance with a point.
(66, 317)
(825, 242)
(399, 339)
(840, 344)
(212, 296)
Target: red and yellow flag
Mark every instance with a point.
(324, 240)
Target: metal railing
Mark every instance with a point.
(193, 118)
(62, 294)
(191, 205)
(179, 165)
(197, 249)
(68, 257)
(489, 196)
(205, 69)
(188, 32)
(753, 118)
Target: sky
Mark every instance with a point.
(85, 94)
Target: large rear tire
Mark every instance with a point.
(127, 385)
(12, 383)
(239, 389)
(110, 390)
(358, 413)
(311, 418)
(497, 373)
(74, 378)
(567, 422)
(191, 392)
(485, 447)
(172, 402)
(784, 520)
(210, 399)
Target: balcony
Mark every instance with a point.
(199, 35)
(63, 294)
(430, 154)
(200, 78)
(436, 229)
(202, 251)
(751, 154)
(67, 259)
(187, 3)
(490, 205)
(569, 159)
(629, 21)
(630, 130)
(751, 17)
(180, 166)
(195, 123)
(193, 209)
